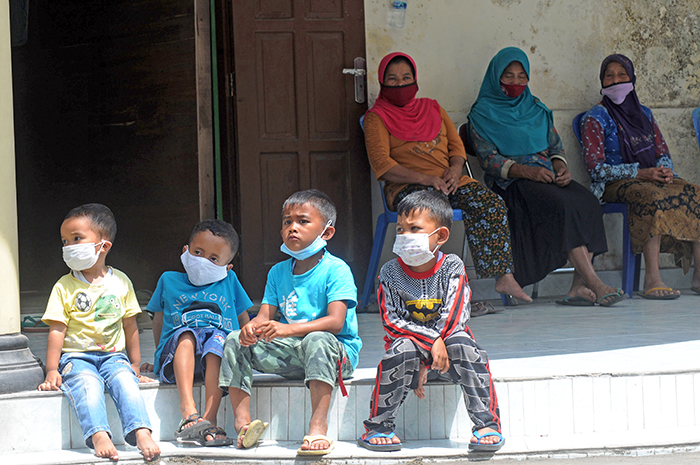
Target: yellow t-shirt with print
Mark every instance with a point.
(92, 313)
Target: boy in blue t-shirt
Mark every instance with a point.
(316, 339)
(193, 314)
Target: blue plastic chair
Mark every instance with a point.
(696, 123)
(631, 263)
(383, 221)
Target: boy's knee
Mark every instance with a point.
(318, 338)
(185, 339)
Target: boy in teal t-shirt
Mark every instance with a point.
(316, 338)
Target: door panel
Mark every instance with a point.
(296, 125)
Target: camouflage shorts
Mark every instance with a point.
(312, 357)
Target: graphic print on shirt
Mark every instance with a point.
(288, 307)
(108, 309)
(203, 314)
(424, 310)
(83, 302)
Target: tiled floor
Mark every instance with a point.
(537, 329)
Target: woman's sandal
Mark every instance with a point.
(193, 431)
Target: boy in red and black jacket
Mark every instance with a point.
(424, 304)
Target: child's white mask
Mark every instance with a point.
(81, 256)
(202, 271)
(414, 249)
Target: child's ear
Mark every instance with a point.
(328, 233)
(184, 248)
(443, 234)
(229, 267)
(106, 246)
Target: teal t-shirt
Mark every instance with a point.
(305, 297)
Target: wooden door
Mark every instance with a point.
(296, 125)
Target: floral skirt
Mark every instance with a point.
(485, 224)
(671, 211)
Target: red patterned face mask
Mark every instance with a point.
(400, 95)
(513, 90)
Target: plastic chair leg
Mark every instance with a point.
(377, 246)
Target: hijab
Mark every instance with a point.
(516, 126)
(418, 120)
(635, 130)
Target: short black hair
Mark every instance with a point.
(316, 199)
(435, 203)
(101, 218)
(221, 229)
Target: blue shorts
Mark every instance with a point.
(209, 341)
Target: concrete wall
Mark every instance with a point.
(9, 271)
(452, 42)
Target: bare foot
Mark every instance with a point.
(210, 437)
(239, 441)
(657, 283)
(104, 447)
(146, 444)
(381, 440)
(487, 439)
(317, 428)
(316, 444)
(583, 292)
(506, 284)
(603, 290)
(695, 282)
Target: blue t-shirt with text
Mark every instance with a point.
(305, 297)
(216, 305)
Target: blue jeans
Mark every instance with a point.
(84, 378)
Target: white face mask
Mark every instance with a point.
(414, 249)
(202, 271)
(82, 256)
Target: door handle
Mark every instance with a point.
(359, 73)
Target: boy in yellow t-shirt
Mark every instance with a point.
(92, 318)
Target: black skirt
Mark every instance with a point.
(546, 221)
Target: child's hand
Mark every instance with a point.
(146, 367)
(145, 379)
(52, 382)
(439, 352)
(422, 379)
(268, 330)
(248, 335)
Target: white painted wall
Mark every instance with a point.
(452, 42)
(9, 249)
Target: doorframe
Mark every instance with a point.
(228, 146)
(205, 127)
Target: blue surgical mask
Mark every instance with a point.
(308, 251)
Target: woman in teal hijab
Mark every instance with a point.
(552, 218)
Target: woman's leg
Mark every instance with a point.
(652, 275)
(696, 265)
(488, 233)
(580, 258)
